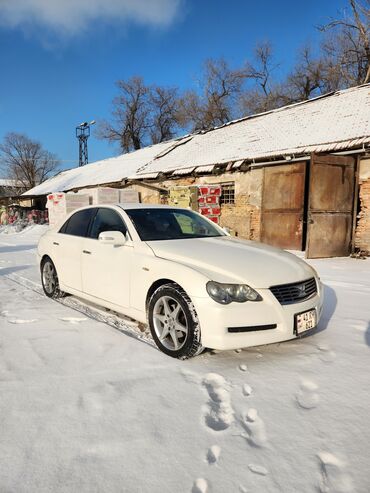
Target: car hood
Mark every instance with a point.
(228, 259)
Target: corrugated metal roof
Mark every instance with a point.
(184, 171)
(205, 169)
(329, 123)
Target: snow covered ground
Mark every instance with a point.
(87, 404)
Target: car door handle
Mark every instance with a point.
(55, 243)
(86, 251)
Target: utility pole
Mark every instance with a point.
(83, 133)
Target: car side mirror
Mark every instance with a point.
(115, 238)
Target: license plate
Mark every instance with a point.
(305, 321)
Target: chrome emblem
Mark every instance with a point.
(301, 290)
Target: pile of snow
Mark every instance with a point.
(23, 228)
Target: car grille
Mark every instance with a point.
(295, 292)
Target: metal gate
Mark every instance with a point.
(330, 206)
(283, 205)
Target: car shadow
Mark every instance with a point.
(16, 248)
(4, 271)
(367, 334)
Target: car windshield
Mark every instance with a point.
(171, 224)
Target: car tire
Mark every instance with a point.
(174, 323)
(49, 279)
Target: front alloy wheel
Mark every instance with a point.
(173, 322)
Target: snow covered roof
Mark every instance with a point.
(325, 124)
(328, 123)
(110, 170)
(5, 182)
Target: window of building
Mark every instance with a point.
(227, 193)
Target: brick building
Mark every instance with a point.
(297, 177)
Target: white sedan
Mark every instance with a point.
(194, 284)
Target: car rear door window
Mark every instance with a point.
(78, 224)
(106, 220)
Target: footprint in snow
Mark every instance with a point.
(247, 390)
(21, 321)
(200, 486)
(326, 354)
(255, 427)
(334, 478)
(73, 320)
(213, 454)
(307, 396)
(96, 400)
(219, 413)
(257, 469)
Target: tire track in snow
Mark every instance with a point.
(111, 319)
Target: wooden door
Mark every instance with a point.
(283, 205)
(330, 206)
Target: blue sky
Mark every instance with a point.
(59, 66)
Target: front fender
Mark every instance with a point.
(150, 269)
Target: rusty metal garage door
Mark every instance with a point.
(282, 205)
(331, 194)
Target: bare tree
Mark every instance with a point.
(142, 114)
(25, 161)
(347, 48)
(261, 70)
(263, 93)
(164, 110)
(216, 103)
(223, 86)
(191, 111)
(130, 122)
(145, 114)
(306, 80)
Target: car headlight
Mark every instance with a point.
(226, 293)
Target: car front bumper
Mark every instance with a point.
(216, 320)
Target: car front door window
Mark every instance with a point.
(78, 224)
(106, 220)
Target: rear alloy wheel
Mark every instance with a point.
(173, 322)
(49, 279)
